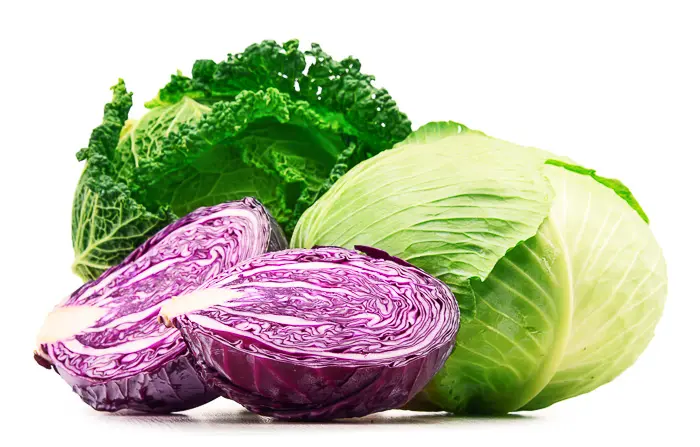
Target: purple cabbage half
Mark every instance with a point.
(314, 334)
(105, 339)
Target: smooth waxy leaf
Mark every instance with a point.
(508, 351)
(435, 131)
(619, 284)
(453, 209)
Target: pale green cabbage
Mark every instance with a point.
(559, 279)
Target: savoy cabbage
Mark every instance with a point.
(272, 122)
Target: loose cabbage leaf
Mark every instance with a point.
(264, 123)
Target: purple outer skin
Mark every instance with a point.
(294, 391)
(381, 254)
(173, 386)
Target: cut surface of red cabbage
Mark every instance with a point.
(318, 333)
(105, 339)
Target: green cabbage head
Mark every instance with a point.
(273, 122)
(559, 279)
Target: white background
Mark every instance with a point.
(613, 85)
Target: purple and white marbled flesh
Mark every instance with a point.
(105, 339)
(319, 333)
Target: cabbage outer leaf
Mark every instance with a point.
(563, 312)
(508, 351)
(619, 283)
(453, 211)
(435, 131)
(108, 223)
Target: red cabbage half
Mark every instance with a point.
(105, 339)
(318, 333)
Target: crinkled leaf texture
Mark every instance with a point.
(272, 122)
(318, 334)
(559, 279)
(105, 341)
(108, 223)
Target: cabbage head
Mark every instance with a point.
(559, 279)
(274, 122)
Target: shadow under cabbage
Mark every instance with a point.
(241, 417)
